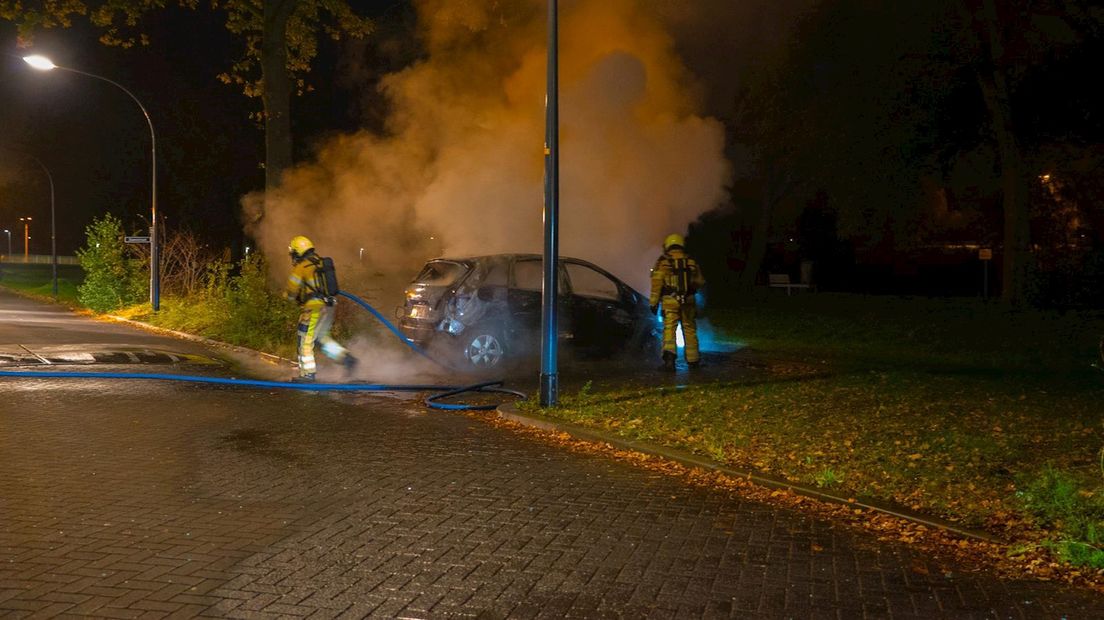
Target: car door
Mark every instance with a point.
(527, 282)
(601, 316)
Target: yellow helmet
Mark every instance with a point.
(673, 239)
(299, 246)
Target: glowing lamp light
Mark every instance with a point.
(39, 62)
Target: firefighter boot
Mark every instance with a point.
(668, 361)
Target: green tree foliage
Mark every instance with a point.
(281, 40)
(111, 280)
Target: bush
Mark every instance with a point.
(255, 313)
(111, 280)
(239, 309)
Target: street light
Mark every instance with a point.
(43, 63)
(53, 239)
(26, 238)
(9, 243)
(549, 375)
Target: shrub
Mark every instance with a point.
(184, 261)
(111, 280)
(256, 314)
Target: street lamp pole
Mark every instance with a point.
(53, 238)
(9, 243)
(549, 377)
(45, 64)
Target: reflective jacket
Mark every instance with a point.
(675, 275)
(302, 284)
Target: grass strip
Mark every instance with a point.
(980, 415)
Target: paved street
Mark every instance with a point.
(128, 499)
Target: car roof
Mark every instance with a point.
(483, 257)
(515, 256)
(512, 256)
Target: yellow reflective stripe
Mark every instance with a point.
(306, 341)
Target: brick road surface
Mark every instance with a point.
(129, 499)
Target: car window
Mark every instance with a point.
(590, 283)
(441, 273)
(496, 275)
(529, 276)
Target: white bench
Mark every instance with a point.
(782, 280)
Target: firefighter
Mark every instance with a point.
(307, 286)
(675, 279)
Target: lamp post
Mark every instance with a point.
(53, 239)
(45, 64)
(26, 238)
(549, 377)
(9, 242)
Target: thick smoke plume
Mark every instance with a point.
(459, 170)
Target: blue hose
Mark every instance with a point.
(394, 330)
(446, 391)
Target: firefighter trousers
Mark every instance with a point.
(686, 314)
(315, 323)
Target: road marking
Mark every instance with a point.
(40, 358)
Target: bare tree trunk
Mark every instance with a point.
(1017, 231)
(1014, 199)
(277, 89)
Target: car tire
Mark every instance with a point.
(483, 348)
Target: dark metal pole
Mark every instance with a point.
(549, 388)
(53, 238)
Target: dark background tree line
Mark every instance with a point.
(896, 133)
(881, 141)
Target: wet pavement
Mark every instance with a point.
(128, 499)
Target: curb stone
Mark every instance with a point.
(509, 411)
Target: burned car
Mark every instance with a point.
(486, 310)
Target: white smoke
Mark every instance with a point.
(460, 169)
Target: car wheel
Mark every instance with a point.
(483, 348)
